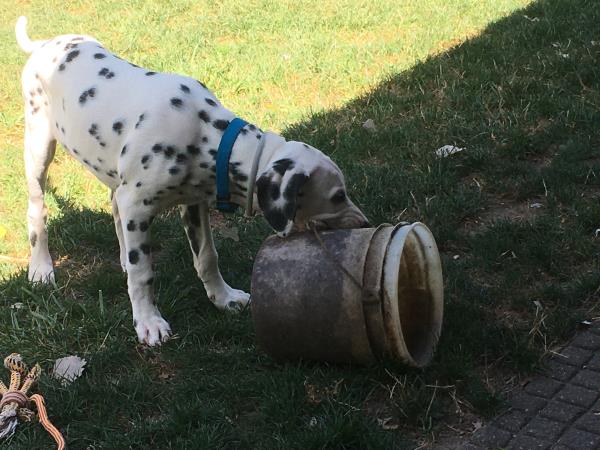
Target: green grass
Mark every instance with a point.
(519, 88)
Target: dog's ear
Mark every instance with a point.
(277, 191)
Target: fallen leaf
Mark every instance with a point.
(386, 424)
(369, 125)
(477, 425)
(68, 369)
(447, 150)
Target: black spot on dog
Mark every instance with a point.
(70, 45)
(132, 64)
(93, 129)
(184, 88)
(240, 177)
(100, 160)
(204, 165)
(149, 74)
(106, 73)
(145, 248)
(62, 130)
(131, 225)
(134, 256)
(221, 124)
(145, 159)
(176, 102)
(204, 116)
(193, 150)
(243, 131)
(124, 150)
(181, 158)
(35, 110)
(90, 93)
(85, 161)
(140, 120)
(33, 238)
(147, 202)
(169, 152)
(76, 151)
(240, 187)
(72, 55)
(118, 127)
(210, 101)
(201, 84)
(138, 184)
(102, 144)
(144, 226)
(96, 168)
(213, 152)
(157, 148)
(204, 139)
(282, 165)
(174, 170)
(61, 67)
(99, 56)
(112, 173)
(274, 191)
(150, 281)
(251, 127)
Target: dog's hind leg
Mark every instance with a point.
(119, 230)
(40, 146)
(206, 261)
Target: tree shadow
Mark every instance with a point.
(523, 99)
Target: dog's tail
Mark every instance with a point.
(23, 40)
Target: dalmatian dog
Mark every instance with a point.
(152, 138)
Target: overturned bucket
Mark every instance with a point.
(355, 295)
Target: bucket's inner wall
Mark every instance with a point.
(415, 303)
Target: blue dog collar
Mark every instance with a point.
(223, 154)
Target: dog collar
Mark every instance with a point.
(222, 171)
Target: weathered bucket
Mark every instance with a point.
(355, 295)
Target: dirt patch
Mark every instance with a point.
(498, 210)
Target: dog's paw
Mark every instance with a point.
(231, 299)
(41, 273)
(152, 330)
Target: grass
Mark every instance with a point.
(516, 83)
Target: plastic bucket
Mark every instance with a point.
(356, 295)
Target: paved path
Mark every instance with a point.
(559, 410)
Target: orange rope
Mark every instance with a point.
(43, 417)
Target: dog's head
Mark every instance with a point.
(302, 186)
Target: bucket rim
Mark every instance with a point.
(434, 281)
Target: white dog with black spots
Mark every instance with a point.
(152, 138)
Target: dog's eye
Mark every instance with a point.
(338, 197)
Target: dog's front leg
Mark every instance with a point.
(149, 325)
(119, 230)
(206, 261)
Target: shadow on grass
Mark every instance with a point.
(523, 99)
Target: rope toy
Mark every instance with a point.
(14, 402)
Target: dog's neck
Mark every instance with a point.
(243, 155)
